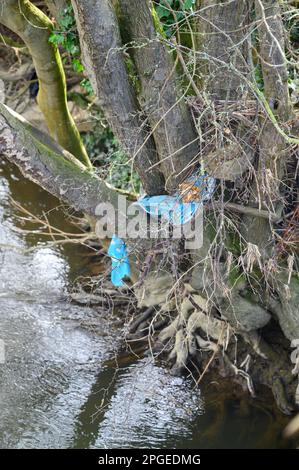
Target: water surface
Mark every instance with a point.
(65, 383)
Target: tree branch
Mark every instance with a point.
(43, 161)
(34, 28)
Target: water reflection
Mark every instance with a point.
(64, 385)
(51, 362)
(55, 381)
(149, 408)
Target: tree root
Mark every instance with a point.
(186, 337)
(183, 331)
(141, 320)
(241, 372)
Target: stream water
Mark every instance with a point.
(59, 387)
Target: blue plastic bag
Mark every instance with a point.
(170, 207)
(120, 261)
(173, 208)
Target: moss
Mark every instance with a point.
(233, 242)
(236, 278)
(133, 75)
(157, 23)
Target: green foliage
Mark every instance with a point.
(172, 12)
(121, 174)
(106, 155)
(259, 77)
(85, 83)
(133, 75)
(66, 36)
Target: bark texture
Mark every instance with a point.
(161, 97)
(104, 61)
(222, 29)
(43, 161)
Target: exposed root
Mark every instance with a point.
(194, 316)
(187, 331)
(255, 341)
(241, 372)
(246, 362)
(141, 319)
(195, 330)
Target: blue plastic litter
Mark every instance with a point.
(120, 261)
(205, 183)
(172, 208)
(169, 207)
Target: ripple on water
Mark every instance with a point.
(51, 362)
(53, 379)
(149, 407)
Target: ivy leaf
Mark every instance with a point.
(56, 38)
(85, 83)
(73, 49)
(66, 22)
(162, 12)
(188, 4)
(78, 66)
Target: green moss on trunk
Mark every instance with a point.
(34, 28)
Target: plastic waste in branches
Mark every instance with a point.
(173, 208)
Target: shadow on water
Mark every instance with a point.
(64, 385)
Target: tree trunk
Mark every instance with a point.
(104, 61)
(34, 28)
(222, 27)
(43, 161)
(161, 98)
(272, 146)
